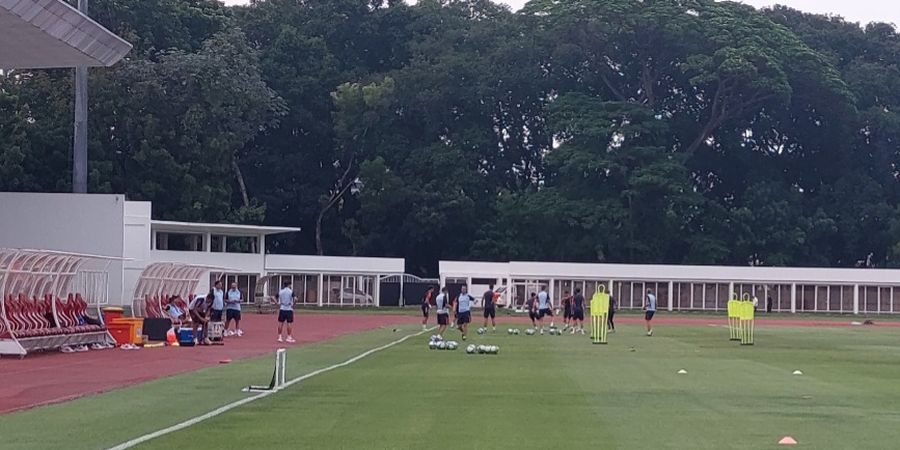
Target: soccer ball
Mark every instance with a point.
(494, 349)
(510, 331)
(482, 348)
(432, 345)
(452, 345)
(481, 331)
(515, 331)
(442, 345)
(470, 349)
(530, 332)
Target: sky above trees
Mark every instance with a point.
(863, 11)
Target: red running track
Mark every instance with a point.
(661, 319)
(46, 378)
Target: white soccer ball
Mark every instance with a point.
(482, 349)
(515, 331)
(442, 345)
(510, 331)
(451, 345)
(470, 349)
(530, 331)
(432, 345)
(481, 331)
(494, 349)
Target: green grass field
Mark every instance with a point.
(540, 391)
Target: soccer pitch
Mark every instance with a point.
(541, 391)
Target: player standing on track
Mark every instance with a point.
(463, 308)
(578, 312)
(490, 308)
(426, 306)
(233, 311)
(286, 301)
(650, 308)
(567, 310)
(545, 308)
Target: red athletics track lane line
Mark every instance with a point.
(46, 378)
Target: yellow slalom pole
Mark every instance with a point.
(599, 311)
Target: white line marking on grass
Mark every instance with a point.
(223, 409)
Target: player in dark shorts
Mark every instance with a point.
(490, 308)
(613, 306)
(531, 305)
(442, 308)
(650, 310)
(463, 308)
(578, 312)
(567, 309)
(426, 306)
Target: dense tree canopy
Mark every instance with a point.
(676, 131)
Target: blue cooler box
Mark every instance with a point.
(186, 337)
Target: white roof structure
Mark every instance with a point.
(655, 272)
(218, 228)
(42, 34)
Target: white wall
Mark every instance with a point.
(227, 262)
(651, 272)
(78, 223)
(136, 246)
(334, 264)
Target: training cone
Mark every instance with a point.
(682, 372)
(797, 372)
(787, 440)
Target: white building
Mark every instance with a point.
(691, 288)
(124, 231)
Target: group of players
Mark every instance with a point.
(539, 307)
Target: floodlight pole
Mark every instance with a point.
(79, 151)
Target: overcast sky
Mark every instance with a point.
(863, 11)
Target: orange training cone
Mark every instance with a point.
(787, 440)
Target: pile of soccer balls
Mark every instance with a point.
(436, 343)
(482, 349)
(513, 331)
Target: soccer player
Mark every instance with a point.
(613, 306)
(426, 306)
(578, 312)
(463, 308)
(567, 310)
(490, 308)
(286, 301)
(545, 308)
(218, 304)
(650, 310)
(442, 302)
(532, 309)
(233, 311)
